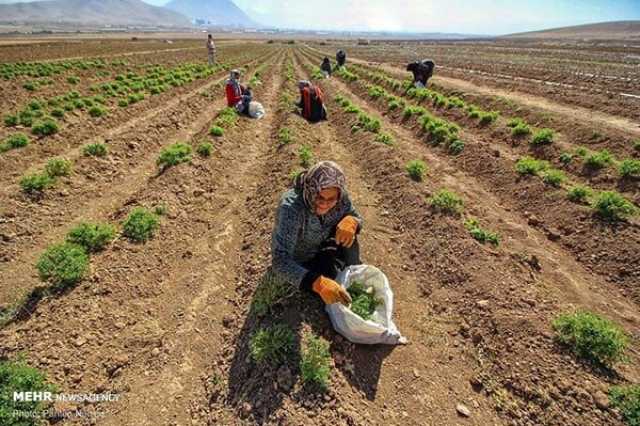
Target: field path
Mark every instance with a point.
(193, 327)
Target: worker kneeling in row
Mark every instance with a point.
(241, 98)
(238, 96)
(311, 102)
(325, 67)
(315, 233)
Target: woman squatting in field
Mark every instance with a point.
(238, 96)
(315, 233)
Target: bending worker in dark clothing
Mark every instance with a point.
(326, 67)
(315, 233)
(341, 58)
(422, 71)
(311, 102)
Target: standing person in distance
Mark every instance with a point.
(211, 50)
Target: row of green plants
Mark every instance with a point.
(345, 74)
(593, 160)
(289, 72)
(437, 99)
(406, 88)
(628, 168)
(41, 114)
(364, 122)
(597, 160)
(602, 343)
(12, 70)
(316, 73)
(14, 141)
(255, 79)
(285, 134)
(447, 202)
(128, 89)
(35, 183)
(438, 130)
(34, 85)
(274, 345)
(63, 265)
(444, 201)
(519, 127)
(607, 204)
(225, 119)
(181, 152)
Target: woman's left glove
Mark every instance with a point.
(346, 231)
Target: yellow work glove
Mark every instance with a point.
(346, 231)
(330, 291)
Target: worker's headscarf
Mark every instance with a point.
(323, 175)
(304, 83)
(234, 74)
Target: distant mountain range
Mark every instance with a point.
(92, 12)
(177, 13)
(616, 30)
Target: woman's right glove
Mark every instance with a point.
(346, 231)
(330, 291)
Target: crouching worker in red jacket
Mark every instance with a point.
(311, 102)
(238, 96)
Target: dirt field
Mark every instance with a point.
(167, 324)
(599, 76)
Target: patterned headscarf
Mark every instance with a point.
(323, 175)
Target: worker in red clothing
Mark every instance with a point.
(238, 96)
(311, 102)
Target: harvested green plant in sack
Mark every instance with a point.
(363, 300)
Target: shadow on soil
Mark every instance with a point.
(257, 390)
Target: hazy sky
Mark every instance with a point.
(461, 16)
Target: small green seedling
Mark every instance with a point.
(416, 169)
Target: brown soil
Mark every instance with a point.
(599, 78)
(79, 128)
(166, 324)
